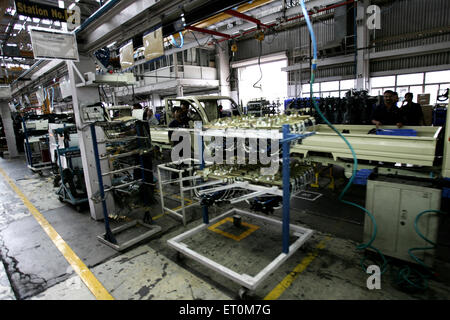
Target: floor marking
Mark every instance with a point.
(304, 195)
(289, 279)
(93, 284)
(187, 203)
(251, 228)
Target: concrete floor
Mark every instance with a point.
(326, 267)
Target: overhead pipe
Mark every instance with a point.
(103, 9)
(245, 17)
(223, 16)
(212, 32)
(289, 20)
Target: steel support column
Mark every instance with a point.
(362, 55)
(223, 58)
(5, 113)
(81, 97)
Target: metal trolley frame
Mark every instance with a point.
(303, 234)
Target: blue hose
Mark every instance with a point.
(172, 39)
(53, 97)
(413, 278)
(355, 159)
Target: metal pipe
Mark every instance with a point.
(222, 16)
(96, 15)
(203, 30)
(288, 20)
(245, 17)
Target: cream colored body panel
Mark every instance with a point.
(418, 150)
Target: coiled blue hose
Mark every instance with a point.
(355, 159)
(411, 277)
(172, 39)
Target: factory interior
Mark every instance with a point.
(193, 150)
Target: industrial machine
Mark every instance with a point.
(395, 202)
(36, 139)
(72, 185)
(257, 107)
(262, 107)
(355, 108)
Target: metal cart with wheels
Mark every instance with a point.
(72, 185)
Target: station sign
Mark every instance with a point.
(42, 11)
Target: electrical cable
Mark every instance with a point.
(260, 70)
(198, 42)
(355, 159)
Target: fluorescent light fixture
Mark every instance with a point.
(111, 44)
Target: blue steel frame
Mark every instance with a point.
(288, 137)
(108, 234)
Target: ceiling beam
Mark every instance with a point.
(245, 17)
(212, 32)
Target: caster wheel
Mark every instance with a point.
(78, 208)
(243, 293)
(61, 199)
(179, 257)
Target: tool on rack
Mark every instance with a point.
(127, 143)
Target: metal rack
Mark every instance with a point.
(121, 135)
(37, 150)
(181, 173)
(303, 234)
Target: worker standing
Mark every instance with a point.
(387, 113)
(411, 112)
(150, 117)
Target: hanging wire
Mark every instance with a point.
(260, 70)
(198, 42)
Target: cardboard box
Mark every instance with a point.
(423, 99)
(427, 115)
